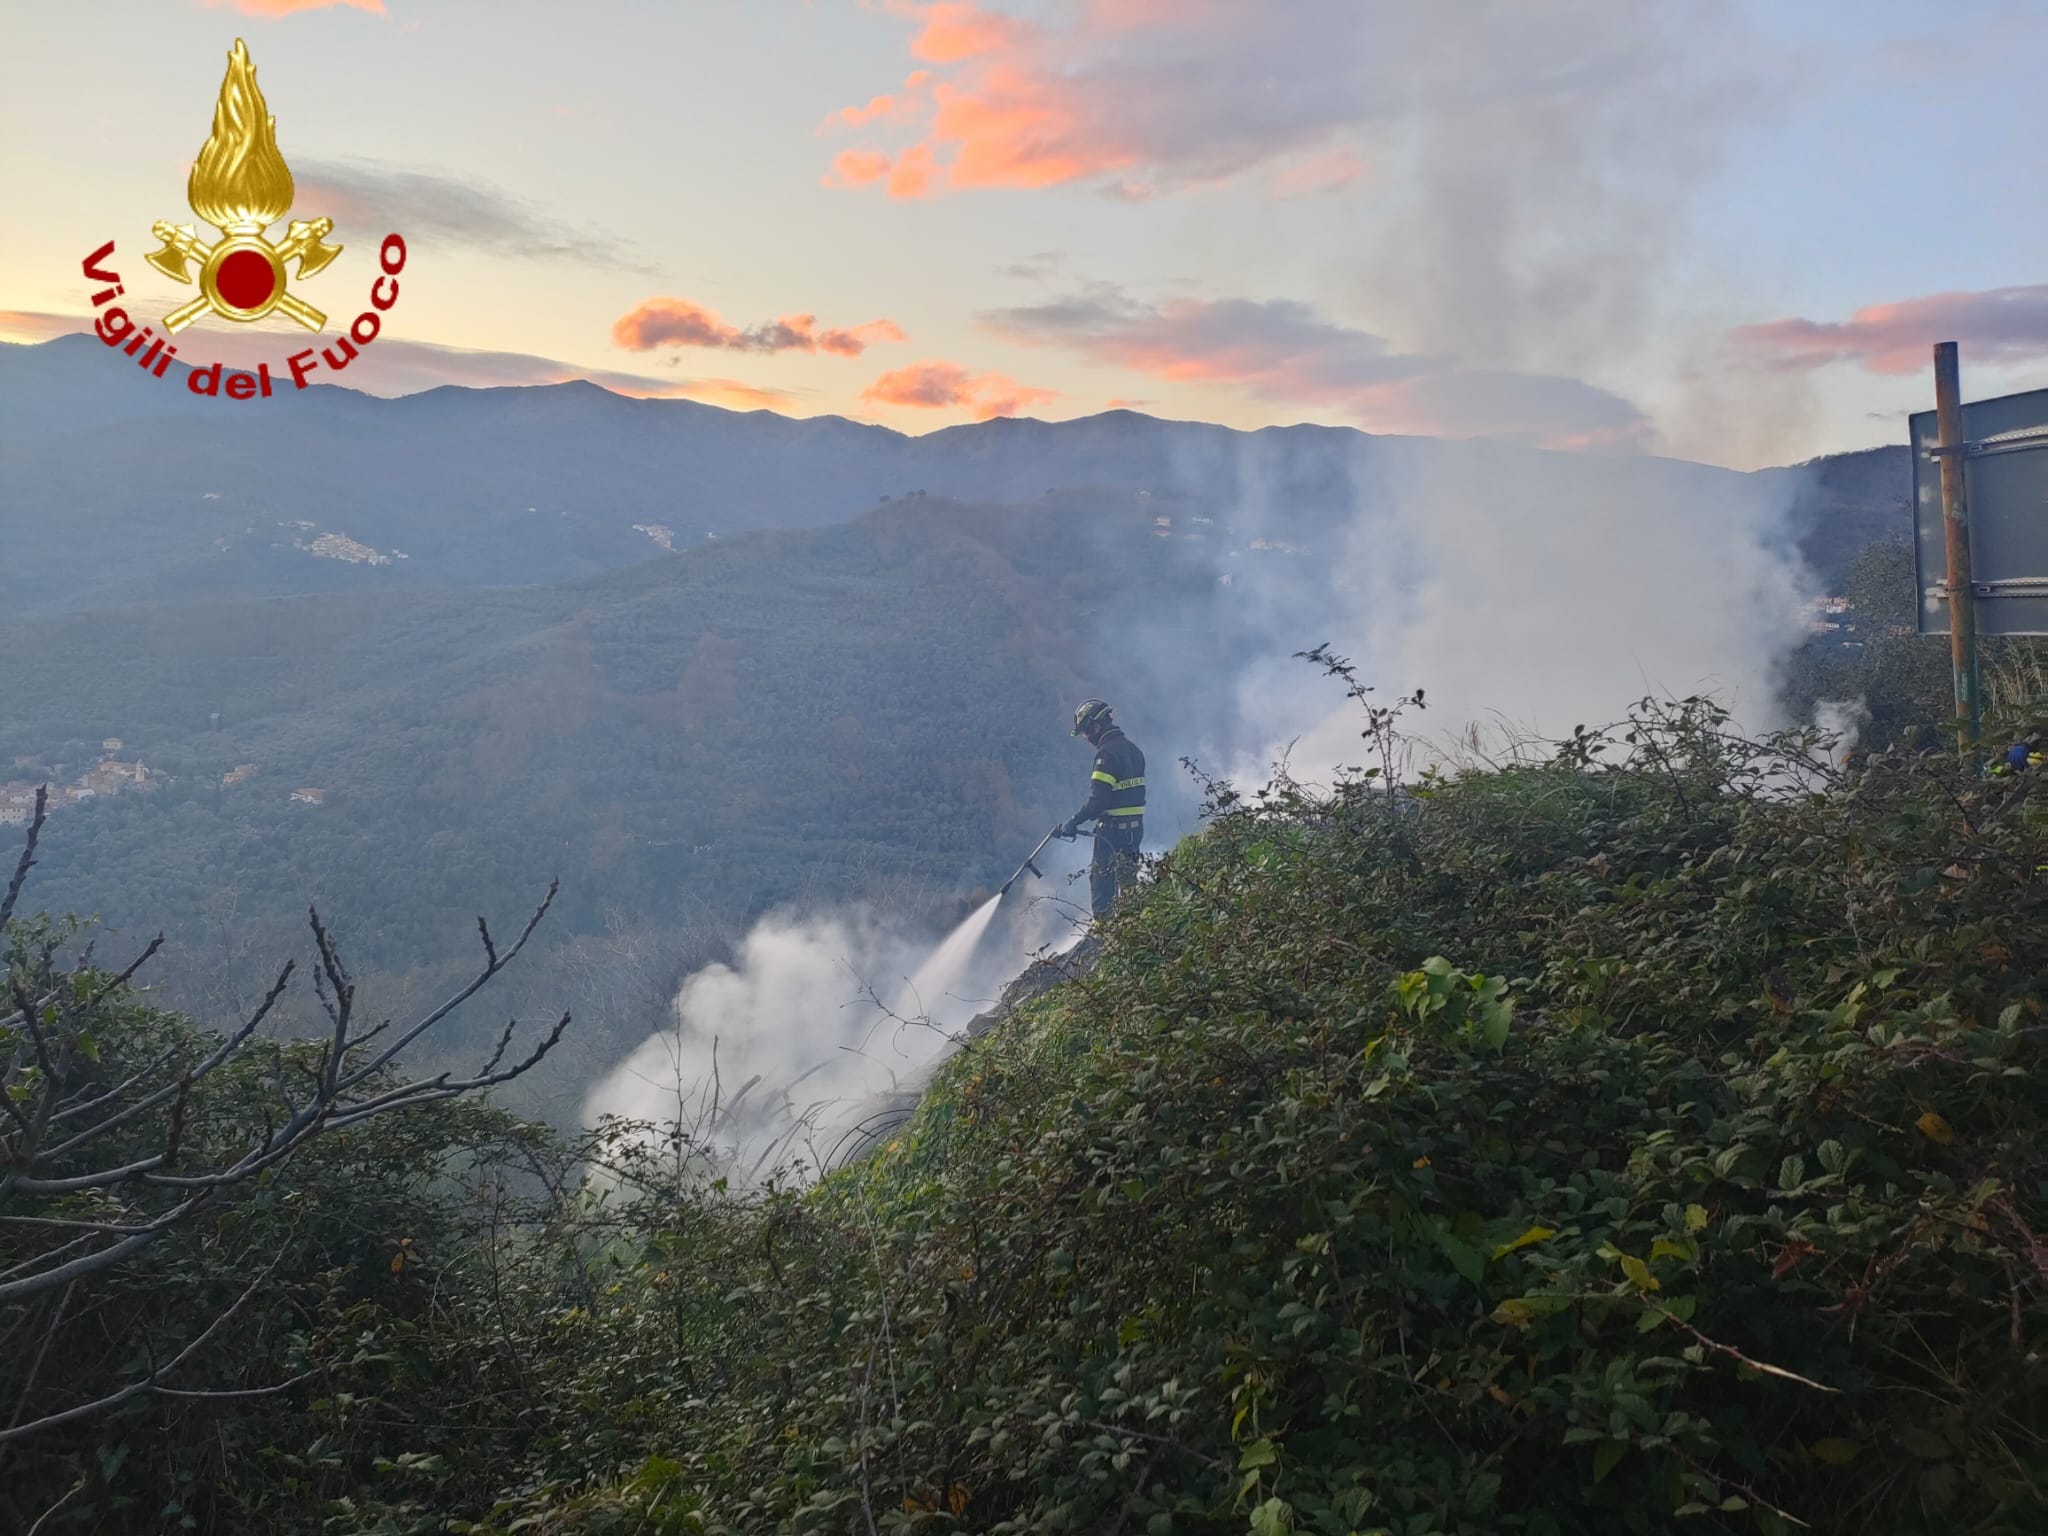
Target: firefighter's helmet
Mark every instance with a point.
(1092, 715)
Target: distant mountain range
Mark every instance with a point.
(118, 488)
(457, 616)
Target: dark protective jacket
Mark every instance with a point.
(1116, 789)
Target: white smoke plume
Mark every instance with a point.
(1532, 596)
(816, 1023)
(1844, 720)
(1524, 592)
(1537, 165)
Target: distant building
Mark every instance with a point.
(309, 796)
(13, 815)
(111, 744)
(1825, 615)
(239, 772)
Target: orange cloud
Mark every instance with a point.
(670, 322)
(1999, 325)
(1136, 95)
(673, 322)
(275, 8)
(958, 29)
(1013, 129)
(40, 325)
(886, 108)
(914, 172)
(735, 395)
(941, 386)
(858, 167)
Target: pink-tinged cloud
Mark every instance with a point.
(673, 323)
(39, 325)
(670, 322)
(857, 168)
(913, 173)
(947, 386)
(1134, 96)
(1313, 175)
(885, 108)
(737, 395)
(287, 7)
(1282, 351)
(955, 30)
(2000, 325)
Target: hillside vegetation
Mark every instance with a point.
(123, 489)
(874, 712)
(1646, 1139)
(454, 618)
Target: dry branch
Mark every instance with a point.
(59, 1112)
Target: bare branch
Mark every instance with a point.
(75, 1490)
(122, 979)
(504, 1040)
(93, 1263)
(496, 964)
(92, 1228)
(99, 1100)
(338, 998)
(228, 1048)
(50, 1257)
(24, 1184)
(28, 855)
(40, 1086)
(35, 1368)
(150, 1382)
(212, 1395)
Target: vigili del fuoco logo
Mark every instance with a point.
(241, 186)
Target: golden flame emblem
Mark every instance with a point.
(241, 185)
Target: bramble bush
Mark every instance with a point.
(1644, 1139)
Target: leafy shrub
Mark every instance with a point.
(1645, 1140)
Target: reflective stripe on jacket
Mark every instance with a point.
(1117, 785)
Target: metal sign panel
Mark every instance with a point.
(2005, 474)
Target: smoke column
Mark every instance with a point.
(774, 1055)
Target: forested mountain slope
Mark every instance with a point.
(121, 488)
(841, 713)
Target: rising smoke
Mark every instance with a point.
(818, 1023)
(1542, 166)
(1526, 593)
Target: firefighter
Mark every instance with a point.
(1116, 804)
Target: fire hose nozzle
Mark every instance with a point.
(1030, 863)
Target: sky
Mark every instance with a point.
(1727, 230)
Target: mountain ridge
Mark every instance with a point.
(125, 488)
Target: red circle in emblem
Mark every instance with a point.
(245, 280)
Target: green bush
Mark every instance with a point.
(1649, 1140)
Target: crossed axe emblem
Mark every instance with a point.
(242, 277)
